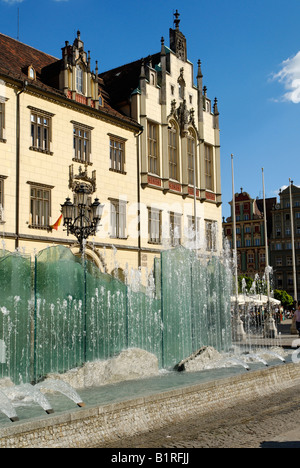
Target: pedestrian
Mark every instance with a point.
(297, 316)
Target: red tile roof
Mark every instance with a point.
(16, 57)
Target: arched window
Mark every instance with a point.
(79, 79)
(173, 151)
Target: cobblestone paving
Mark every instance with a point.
(245, 425)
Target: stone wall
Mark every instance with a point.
(94, 426)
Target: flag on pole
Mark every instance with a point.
(57, 224)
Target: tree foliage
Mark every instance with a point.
(286, 300)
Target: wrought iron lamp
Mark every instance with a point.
(80, 218)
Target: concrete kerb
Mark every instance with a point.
(92, 426)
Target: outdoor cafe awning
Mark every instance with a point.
(255, 300)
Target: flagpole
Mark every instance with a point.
(234, 232)
(293, 244)
(240, 334)
(270, 329)
(266, 239)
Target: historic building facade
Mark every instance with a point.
(250, 233)
(286, 217)
(179, 186)
(144, 138)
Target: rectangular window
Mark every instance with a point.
(208, 167)
(262, 257)
(40, 207)
(40, 130)
(191, 158)
(191, 234)
(175, 229)
(250, 258)
(117, 154)
(79, 79)
(2, 120)
(118, 219)
(173, 156)
(82, 144)
(154, 225)
(153, 149)
(211, 235)
(2, 199)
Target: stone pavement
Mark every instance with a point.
(267, 422)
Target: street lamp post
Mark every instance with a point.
(80, 218)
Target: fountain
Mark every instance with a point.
(30, 392)
(59, 311)
(7, 408)
(27, 394)
(62, 387)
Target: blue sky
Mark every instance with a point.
(250, 57)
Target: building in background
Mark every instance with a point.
(281, 242)
(250, 233)
(144, 137)
(251, 239)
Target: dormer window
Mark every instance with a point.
(31, 73)
(79, 79)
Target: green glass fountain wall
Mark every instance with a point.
(58, 311)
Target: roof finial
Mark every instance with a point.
(176, 20)
(216, 111)
(199, 73)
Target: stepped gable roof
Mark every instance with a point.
(16, 57)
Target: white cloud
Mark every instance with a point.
(12, 2)
(289, 76)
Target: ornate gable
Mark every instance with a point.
(77, 80)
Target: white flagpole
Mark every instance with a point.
(240, 334)
(293, 244)
(270, 327)
(234, 232)
(266, 239)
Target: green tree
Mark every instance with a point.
(286, 300)
(248, 282)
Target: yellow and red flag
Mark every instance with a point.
(57, 224)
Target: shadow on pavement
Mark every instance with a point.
(285, 444)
